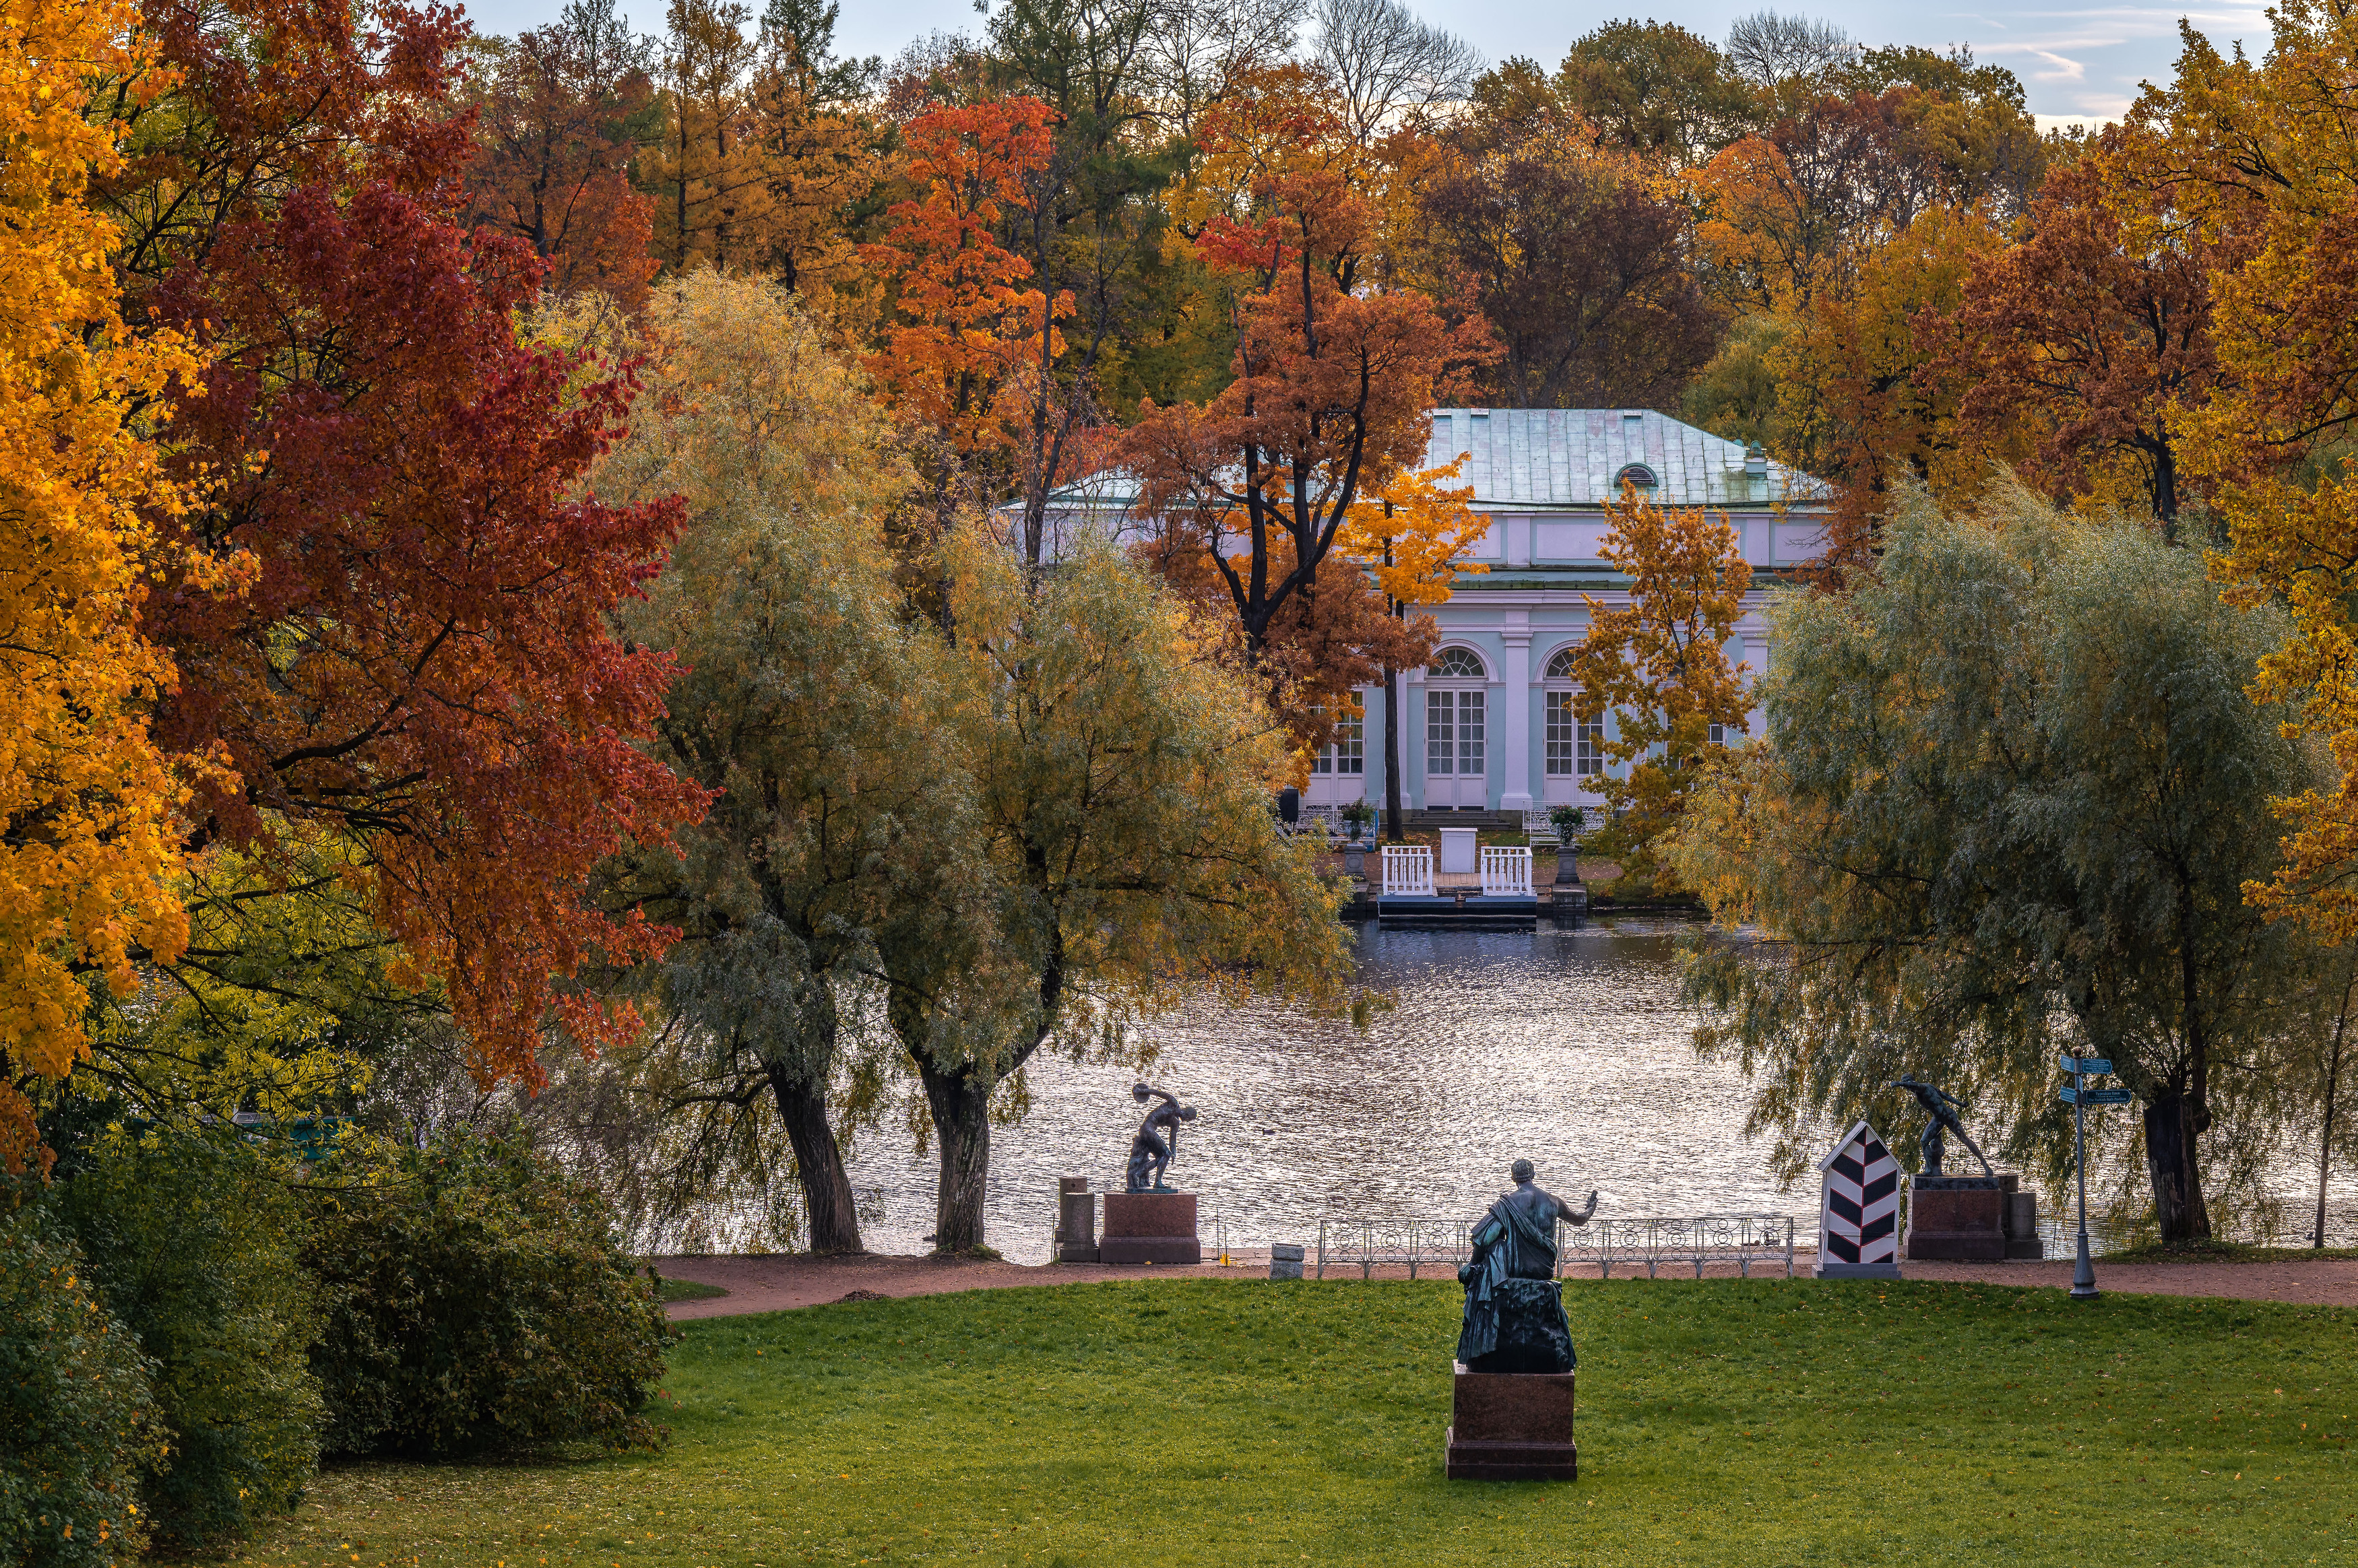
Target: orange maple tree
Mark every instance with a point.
(1335, 374)
(1658, 664)
(964, 319)
(554, 169)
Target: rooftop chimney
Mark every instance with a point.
(1756, 461)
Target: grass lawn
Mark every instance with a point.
(1755, 1423)
(686, 1290)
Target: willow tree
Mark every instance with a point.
(801, 706)
(2013, 796)
(1120, 771)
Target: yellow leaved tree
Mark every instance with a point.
(86, 802)
(1411, 535)
(1660, 664)
(2251, 158)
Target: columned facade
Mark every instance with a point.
(1497, 686)
(1491, 724)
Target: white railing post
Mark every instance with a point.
(1507, 872)
(1408, 869)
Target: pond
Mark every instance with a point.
(1569, 1047)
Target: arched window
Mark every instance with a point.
(1457, 663)
(1575, 746)
(1637, 474)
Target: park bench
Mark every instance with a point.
(1741, 1240)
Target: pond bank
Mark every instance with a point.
(783, 1281)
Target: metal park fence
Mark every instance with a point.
(1741, 1240)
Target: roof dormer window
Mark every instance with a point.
(1637, 474)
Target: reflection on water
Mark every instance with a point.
(1569, 1047)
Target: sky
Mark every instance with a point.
(2082, 64)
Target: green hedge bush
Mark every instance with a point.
(477, 1301)
(77, 1423)
(192, 1242)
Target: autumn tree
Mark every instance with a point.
(1658, 665)
(559, 111)
(418, 672)
(1335, 374)
(714, 193)
(1412, 535)
(2250, 153)
(1581, 262)
(818, 153)
(1126, 857)
(963, 323)
(2095, 332)
(1794, 209)
(1866, 397)
(1653, 89)
(2007, 808)
(88, 800)
(801, 706)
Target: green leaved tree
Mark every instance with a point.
(801, 705)
(2013, 794)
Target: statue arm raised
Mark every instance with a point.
(1583, 1217)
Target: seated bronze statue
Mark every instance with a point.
(1514, 1306)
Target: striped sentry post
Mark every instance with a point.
(1858, 1209)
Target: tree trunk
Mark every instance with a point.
(2325, 1133)
(960, 1102)
(2171, 1123)
(1392, 759)
(819, 1164)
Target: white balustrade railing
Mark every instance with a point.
(1506, 871)
(1407, 871)
(1741, 1240)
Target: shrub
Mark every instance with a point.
(77, 1419)
(192, 1242)
(477, 1300)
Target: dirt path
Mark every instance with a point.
(778, 1281)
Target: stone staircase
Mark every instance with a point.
(1425, 821)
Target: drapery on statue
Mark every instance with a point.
(1937, 1105)
(1150, 1156)
(1514, 1309)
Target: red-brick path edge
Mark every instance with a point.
(776, 1282)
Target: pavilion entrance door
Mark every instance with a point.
(1457, 771)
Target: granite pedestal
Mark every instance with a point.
(1963, 1219)
(1149, 1228)
(1076, 1221)
(1512, 1426)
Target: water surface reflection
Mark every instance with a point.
(1568, 1046)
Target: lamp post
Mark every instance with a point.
(2080, 1096)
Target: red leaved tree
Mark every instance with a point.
(418, 669)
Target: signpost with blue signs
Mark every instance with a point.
(2079, 1096)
